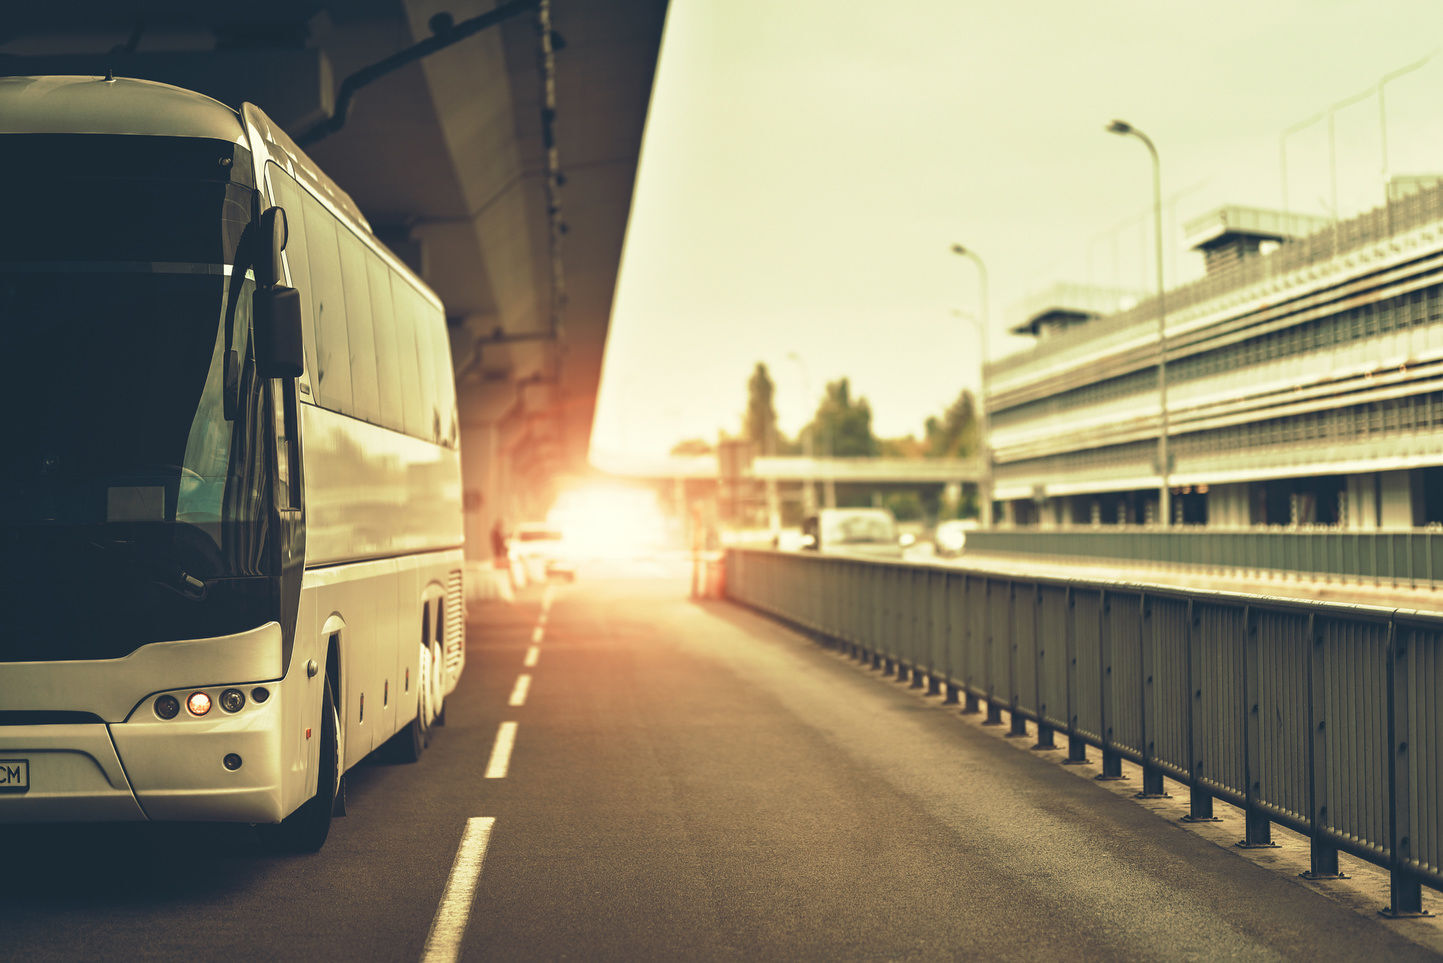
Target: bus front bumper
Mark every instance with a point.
(149, 768)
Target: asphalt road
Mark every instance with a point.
(688, 781)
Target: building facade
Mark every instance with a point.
(1304, 379)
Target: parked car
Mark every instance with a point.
(950, 538)
(541, 551)
(852, 531)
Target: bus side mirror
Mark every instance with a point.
(276, 313)
(274, 233)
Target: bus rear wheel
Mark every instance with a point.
(306, 829)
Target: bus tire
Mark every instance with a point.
(305, 830)
(438, 685)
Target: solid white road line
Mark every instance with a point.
(518, 691)
(536, 634)
(501, 751)
(443, 943)
(532, 654)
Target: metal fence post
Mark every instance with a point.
(879, 618)
(921, 626)
(936, 628)
(1323, 857)
(1044, 731)
(1405, 893)
(970, 702)
(952, 600)
(1111, 761)
(994, 705)
(1152, 786)
(1257, 828)
(1076, 744)
(1018, 722)
(1200, 801)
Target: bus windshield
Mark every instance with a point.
(120, 475)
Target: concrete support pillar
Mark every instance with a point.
(1360, 502)
(809, 497)
(480, 485)
(952, 497)
(1395, 499)
(829, 493)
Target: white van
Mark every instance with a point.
(852, 531)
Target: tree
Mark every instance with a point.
(843, 427)
(759, 425)
(955, 434)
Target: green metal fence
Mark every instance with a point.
(1316, 716)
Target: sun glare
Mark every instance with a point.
(608, 521)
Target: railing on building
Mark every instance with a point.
(1319, 717)
(1405, 558)
(1398, 216)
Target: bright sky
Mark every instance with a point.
(808, 164)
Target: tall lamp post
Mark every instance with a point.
(984, 487)
(1164, 492)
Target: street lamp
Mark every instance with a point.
(1164, 494)
(984, 487)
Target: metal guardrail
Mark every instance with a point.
(1404, 558)
(1321, 717)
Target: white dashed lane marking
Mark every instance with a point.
(443, 943)
(532, 654)
(536, 635)
(501, 751)
(519, 690)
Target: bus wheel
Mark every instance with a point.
(305, 830)
(438, 685)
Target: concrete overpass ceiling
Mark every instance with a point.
(447, 157)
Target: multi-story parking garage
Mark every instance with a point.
(1302, 384)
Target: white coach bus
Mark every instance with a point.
(231, 490)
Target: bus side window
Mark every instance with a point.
(445, 384)
(418, 408)
(423, 315)
(332, 377)
(388, 360)
(365, 400)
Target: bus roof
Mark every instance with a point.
(96, 105)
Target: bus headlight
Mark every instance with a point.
(167, 706)
(232, 700)
(198, 703)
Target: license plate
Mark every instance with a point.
(14, 775)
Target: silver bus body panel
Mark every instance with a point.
(94, 105)
(111, 688)
(80, 773)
